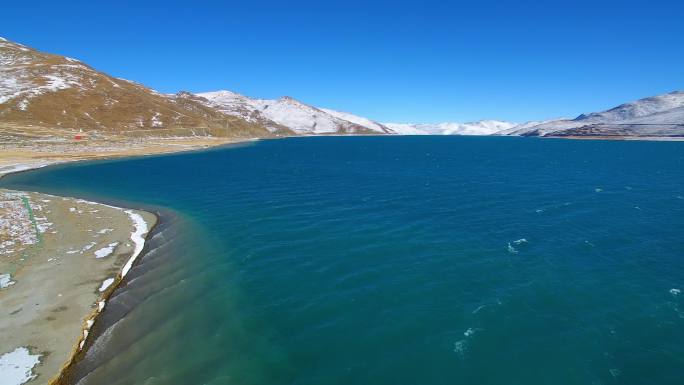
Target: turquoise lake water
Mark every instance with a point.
(395, 260)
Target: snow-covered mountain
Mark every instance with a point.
(641, 108)
(361, 121)
(291, 114)
(482, 127)
(42, 89)
(524, 127)
(405, 129)
(661, 115)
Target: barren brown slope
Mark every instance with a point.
(49, 90)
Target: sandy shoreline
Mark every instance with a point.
(61, 258)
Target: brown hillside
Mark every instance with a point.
(49, 90)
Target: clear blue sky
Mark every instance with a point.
(421, 61)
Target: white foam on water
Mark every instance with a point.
(675, 291)
(479, 308)
(469, 332)
(16, 366)
(519, 241)
(511, 249)
(460, 348)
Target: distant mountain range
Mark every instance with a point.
(661, 115)
(55, 91)
(482, 127)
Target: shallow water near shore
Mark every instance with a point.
(395, 260)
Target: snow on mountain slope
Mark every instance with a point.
(23, 77)
(636, 109)
(49, 90)
(405, 129)
(655, 115)
(482, 127)
(302, 118)
(672, 116)
(290, 113)
(525, 127)
(361, 121)
(305, 119)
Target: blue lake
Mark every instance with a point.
(395, 260)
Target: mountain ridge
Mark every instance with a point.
(480, 127)
(286, 111)
(44, 89)
(659, 115)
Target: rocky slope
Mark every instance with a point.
(661, 115)
(49, 90)
(289, 113)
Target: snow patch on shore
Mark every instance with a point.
(105, 284)
(21, 167)
(88, 246)
(138, 238)
(6, 281)
(43, 227)
(16, 366)
(105, 251)
(85, 337)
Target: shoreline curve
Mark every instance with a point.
(143, 230)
